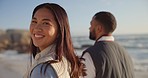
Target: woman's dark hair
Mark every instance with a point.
(64, 46)
(107, 20)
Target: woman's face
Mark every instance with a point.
(43, 28)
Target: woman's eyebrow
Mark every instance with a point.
(46, 20)
(34, 18)
(42, 19)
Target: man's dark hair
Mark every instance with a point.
(107, 20)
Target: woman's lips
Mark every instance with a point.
(38, 36)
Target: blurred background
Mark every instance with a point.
(131, 32)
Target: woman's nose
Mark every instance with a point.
(38, 27)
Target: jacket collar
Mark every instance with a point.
(46, 54)
(43, 56)
(106, 38)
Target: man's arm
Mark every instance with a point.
(90, 68)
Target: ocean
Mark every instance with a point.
(136, 45)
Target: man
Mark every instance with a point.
(106, 58)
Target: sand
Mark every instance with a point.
(16, 68)
(12, 67)
(7, 71)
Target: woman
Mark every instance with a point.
(51, 44)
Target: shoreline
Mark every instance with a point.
(13, 67)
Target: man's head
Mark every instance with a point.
(102, 23)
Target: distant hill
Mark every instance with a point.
(14, 39)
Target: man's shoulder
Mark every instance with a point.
(95, 47)
(100, 47)
(91, 50)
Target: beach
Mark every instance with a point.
(7, 70)
(15, 66)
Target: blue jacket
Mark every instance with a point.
(40, 72)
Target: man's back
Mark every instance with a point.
(110, 60)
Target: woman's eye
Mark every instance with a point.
(34, 22)
(45, 23)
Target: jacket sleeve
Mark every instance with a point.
(40, 72)
(90, 68)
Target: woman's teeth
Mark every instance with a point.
(38, 35)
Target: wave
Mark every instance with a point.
(128, 41)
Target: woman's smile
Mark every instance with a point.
(38, 36)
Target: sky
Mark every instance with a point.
(131, 15)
